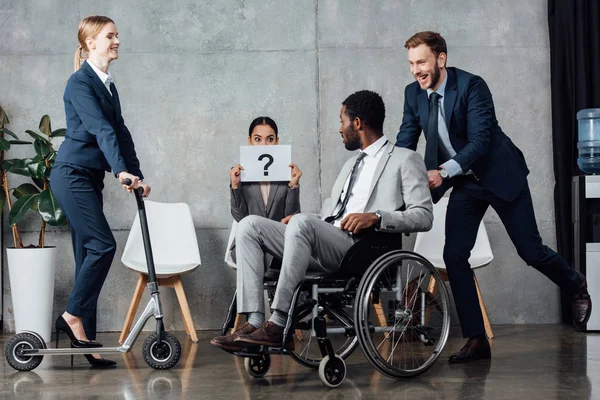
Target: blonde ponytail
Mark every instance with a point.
(78, 59)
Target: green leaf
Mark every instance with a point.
(45, 125)
(25, 190)
(59, 133)
(9, 133)
(37, 136)
(50, 210)
(3, 117)
(4, 144)
(38, 182)
(20, 208)
(18, 142)
(42, 149)
(37, 170)
(17, 166)
(2, 199)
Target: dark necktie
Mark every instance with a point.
(353, 177)
(431, 147)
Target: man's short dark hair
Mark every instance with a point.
(368, 106)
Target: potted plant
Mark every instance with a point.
(31, 268)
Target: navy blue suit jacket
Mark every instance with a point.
(479, 142)
(96, 133)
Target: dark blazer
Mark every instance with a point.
(480, 143)
(247, 200)
(96, 133)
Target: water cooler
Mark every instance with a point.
(586, 245)
(586, 208)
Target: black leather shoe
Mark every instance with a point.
(476, 348)
(99, 362)
(581, 304)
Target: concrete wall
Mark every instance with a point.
(192, 75)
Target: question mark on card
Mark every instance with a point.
(268, 164)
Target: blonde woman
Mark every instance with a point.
(96, 141)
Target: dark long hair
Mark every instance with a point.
(263, 121)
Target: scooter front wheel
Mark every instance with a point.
(164, 355)
(13, 352)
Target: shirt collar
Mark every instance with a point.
(374, 148)
(103, 76)
(441, 89)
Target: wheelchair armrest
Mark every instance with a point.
(367, 249)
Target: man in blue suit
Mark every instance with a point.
(467, 150)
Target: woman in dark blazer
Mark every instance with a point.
(96, 141)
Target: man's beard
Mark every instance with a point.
(435, 78)
(353, 141)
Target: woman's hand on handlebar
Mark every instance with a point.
(133, 181)
(146, 188)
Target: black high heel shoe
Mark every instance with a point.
(61, 325)
(99, 362)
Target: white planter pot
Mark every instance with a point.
(31, 273)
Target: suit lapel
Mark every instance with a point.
(449, 96)
(98, 85)
(116, 98)
(379, 169)
(272, 192)
(257, 195)
(341, 182)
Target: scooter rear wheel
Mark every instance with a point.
(13, 352)
(164, 355)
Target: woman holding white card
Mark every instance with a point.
(274, 200)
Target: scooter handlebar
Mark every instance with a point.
(127, 182)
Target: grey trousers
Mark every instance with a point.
(305, 242)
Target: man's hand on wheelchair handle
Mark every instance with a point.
(359, 221)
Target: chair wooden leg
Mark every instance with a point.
(432, 289)
(379, 313)
(135, 302)
(185, 308)
(239, 321)
(486, 320)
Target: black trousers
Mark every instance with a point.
(78, 190)
(466, 207)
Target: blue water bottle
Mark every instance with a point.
(589, 140)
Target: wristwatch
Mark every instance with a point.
(378, 224)
(443, 173)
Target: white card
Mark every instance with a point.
(266, 163)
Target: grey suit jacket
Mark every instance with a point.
(400, 180)
(247, 200)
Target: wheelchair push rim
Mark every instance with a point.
(402, 314)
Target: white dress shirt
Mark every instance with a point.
(360, 191)
(105, 78)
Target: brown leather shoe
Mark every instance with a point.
(475, 349)
(227, 342)
(581, 304)
(268, 334)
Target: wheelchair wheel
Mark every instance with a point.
(337, 310)
(402, 314)
(258, 366)
(14, 352)
(332, 371)
(164, 355)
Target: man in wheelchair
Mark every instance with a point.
(382, 188)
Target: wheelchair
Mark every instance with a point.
(390, 301)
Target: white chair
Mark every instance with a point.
(175, 251)
(431, 246)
